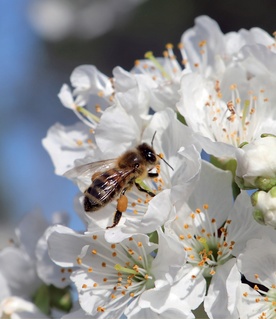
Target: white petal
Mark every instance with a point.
(221, 300)
(65, 245)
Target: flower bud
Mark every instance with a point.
(265, 207)
(256, 164)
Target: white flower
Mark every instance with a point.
(67, 144)
(20, 264)
(124, 277)
(256, 166)
(232, 103)
(206, 50)
(212, 231)
(172, 187)
(17, 308)
(264, 204)
(257, 264)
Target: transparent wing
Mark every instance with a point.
(110, 183)
(82, 174)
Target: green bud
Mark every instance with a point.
(259, 217)
(265, 183)
(254, 198)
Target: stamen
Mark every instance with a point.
(149, 55)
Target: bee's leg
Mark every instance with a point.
(152, 175)
(121, 207)
(141, 189)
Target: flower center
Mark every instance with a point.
(206, 245)
(266, 300)
(237, 120)
(123, 270)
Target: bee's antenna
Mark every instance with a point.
(162, 158)
(153, 138)
(160, 155)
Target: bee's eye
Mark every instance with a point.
(151, 157)
(136, 165)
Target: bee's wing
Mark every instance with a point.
(110, 184)
(82, 174)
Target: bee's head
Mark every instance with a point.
(148, 153)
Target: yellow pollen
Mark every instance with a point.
(233, 86)
(192, 215)
(186, 226)
(113, 296)
(245, 294)
(100, 309)
(130, 239)
(84, 286)
(94, 251)
(101, 94)
(79, 260)
(139, 244)
(196, 65)
(273, 286)
(257, 300)
(95, 285)
(135, 211)
(113, 246)
(189, 236)
(212, 272)
(104, 279)
(136, 268)
(169, 46)
(198, 210)
(90, 269)
(79, 142)
(103, 264)
(146, 276)
(130, 251)
(98, 108)
(181, 237)
(136, 62)
(140, 257)
(95, 237)
(256, 276)
(165, 54)
(202, 43)
(114, 254)
(256, 288)
(205, 206)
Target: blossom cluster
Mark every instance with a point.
(191, 241)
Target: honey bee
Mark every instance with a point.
(112, 178)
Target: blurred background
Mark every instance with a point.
(42, 41)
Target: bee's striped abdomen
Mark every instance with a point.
(104, 189)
